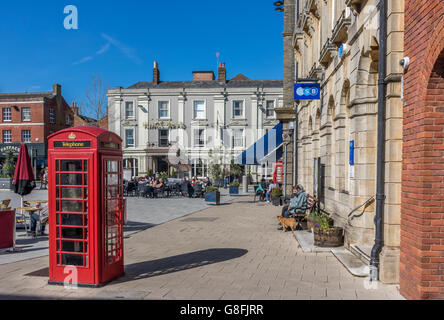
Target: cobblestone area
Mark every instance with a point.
(229, 252)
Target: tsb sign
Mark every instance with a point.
(307, 91)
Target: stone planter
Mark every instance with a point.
(234, 190)
(213, 197)
(329, 238)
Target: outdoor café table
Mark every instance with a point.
(31, 211)
(37, 201)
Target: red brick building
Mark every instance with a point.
(30, 118)
(422, 213)
(84, 121)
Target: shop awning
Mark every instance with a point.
(266, 149)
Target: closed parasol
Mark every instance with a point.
(24, 181)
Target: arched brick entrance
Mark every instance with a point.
(422, 226)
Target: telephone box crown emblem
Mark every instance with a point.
(72, 136)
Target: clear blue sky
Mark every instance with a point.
(120, 40)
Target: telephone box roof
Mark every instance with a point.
(93, 131)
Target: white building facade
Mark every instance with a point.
(185, 126)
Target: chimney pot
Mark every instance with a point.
(222, 73)
(156, 73)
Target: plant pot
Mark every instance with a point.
(234, 190)
(276, 201)
(329, 238)
(213, 197)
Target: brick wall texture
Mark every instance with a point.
(422, 213)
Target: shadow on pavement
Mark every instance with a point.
(132, 226)
(178, 263)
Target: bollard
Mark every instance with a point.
(244, 184)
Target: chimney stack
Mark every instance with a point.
(156, 73)
(75, 109)
(57, 89)
(222, 73)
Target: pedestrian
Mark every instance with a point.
(298, 204)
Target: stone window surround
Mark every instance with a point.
(193, 133)
(243, 109)
(169, 109)
(205, 109)
(133, 117)
(233, 130)
(266, 108)
(134, 137)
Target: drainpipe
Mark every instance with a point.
(380, 192)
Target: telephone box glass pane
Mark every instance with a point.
(72, 246)
(72, 220)
(72, 165)
(113, 179)
(113, 166)
(72, 260)
(73, 233)
(72, 193)
(71, 179)
(72, 206)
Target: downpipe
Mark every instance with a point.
(380, 183)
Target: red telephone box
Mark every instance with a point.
(278, 172)
(85, 190)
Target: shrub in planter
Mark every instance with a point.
(234, 187)
(327, 236)
(314, 219)
(276, 195)
(212, 195)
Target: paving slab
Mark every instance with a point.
(239, 255)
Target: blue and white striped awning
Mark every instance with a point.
(267, 149)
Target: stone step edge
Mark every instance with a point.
(359, 269)
(360, 254)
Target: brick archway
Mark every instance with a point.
(422, 222)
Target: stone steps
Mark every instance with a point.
(355, 260)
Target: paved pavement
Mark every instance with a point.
(142, 214)
(228, 252)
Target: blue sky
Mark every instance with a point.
(119, 40)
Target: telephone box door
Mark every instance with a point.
(112, 249)
(72, 198)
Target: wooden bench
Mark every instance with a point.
(311, 206)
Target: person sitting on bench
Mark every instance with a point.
(298, 204)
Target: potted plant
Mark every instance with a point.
(234, 187)
(276, 195)
(212, 195)
(325, 235)
(8, 171)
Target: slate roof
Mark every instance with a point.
(208, 84)
(31, 95)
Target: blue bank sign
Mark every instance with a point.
(307, 91)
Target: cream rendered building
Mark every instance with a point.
(337, 41)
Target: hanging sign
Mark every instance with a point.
(307, 91)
